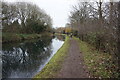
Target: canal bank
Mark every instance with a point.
(16, 37)
(99, 64)
(55, 64)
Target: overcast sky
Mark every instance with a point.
(57, 9)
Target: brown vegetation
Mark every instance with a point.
(97, 23)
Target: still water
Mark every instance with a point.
(25, 59)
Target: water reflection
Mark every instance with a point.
(22, 60)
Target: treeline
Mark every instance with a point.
(24, 17)
(97, 23)
(63, 30)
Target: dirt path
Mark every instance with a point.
(73, 66)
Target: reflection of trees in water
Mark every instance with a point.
(26, 56)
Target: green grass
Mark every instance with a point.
(29, 36)
(13, 37)
(99, 64)
(54, 65)
(60, 34)
(9, 37)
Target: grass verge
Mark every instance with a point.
(54, 65)
(100, 65)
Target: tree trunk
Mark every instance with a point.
(100, 15)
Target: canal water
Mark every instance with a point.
(26, 59)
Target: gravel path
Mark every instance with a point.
(73, 66)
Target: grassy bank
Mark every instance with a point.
(99, 64)
(54, 65)
(59, 34)
(14, 37)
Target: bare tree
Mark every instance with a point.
(23, 15)
(97, 24)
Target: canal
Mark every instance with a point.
(26, 59)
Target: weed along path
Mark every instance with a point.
(73, 66)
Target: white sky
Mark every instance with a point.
(57, 9)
